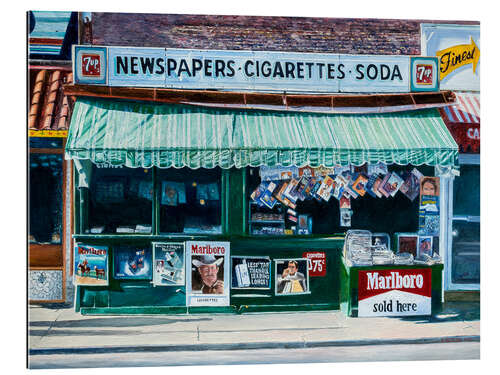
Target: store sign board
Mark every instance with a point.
(90, 265)
(250, 272)
(317, 263)
(458, 50)
(207, 273)
(394, 292)
(247, 70)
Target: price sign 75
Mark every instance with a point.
(317, 262)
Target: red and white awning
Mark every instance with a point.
(467, 109)
(463, 119)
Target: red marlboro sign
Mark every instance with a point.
(393, 292)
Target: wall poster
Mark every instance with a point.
(132, 262)
(207, 273)
(90, 265)
(292, 276)
(250, 272)
(168, 264)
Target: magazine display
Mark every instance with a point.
(283, 189)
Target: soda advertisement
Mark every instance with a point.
(394, 292)
(207, 271)
(90, 265)
(132, 262)
(251, 272)
(317, 263)
(168, 261)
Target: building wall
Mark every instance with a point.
(331, 35)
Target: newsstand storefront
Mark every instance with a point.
(200, 208)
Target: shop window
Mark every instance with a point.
(310, 214)
(45, 204)
(190, 200)
(465, 251)
(120, 200)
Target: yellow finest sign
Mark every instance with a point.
(454, 57)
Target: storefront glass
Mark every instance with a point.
(465, 262)
(190, 200)
(120, 200)
(45, 204)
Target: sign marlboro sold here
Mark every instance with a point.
(394, 292)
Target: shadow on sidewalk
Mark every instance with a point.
(133, 321)
(69, 332)
(451, 312)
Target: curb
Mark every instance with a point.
(247, 346)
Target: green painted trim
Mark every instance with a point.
(155, 220)
(133, 310)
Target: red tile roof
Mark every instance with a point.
(49, 108)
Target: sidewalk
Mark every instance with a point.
(60, 330)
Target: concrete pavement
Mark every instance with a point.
(59, 330)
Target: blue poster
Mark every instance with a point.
(90, 265)
(132, 262)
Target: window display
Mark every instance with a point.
(303, 201)
(190, 200)
(120, 200)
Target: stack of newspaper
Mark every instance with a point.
(403, 258)
(358, 247)
(382, 255)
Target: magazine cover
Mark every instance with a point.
(381, 239)
(326, 188)
(377, 168)
(307, 172)
(345, 202)
(429, 186)
(340, 184)
(382, 184)
(411, 184)
(407, 243)
(376, 187)
(424, 245)
(345, 217)
(267, 197)
(290, 192)
(392, 185)
(429, 219)
(369, 185)
(359, 184)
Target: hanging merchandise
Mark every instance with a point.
(376, 187)
(345, 202)
(267, 197)
(378, 168)
(290, 192)
(369, 185)
(411, 184)
(392, 184)
(169, 193)
(326, 187)
(359, 184)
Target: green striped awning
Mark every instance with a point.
(137, 134)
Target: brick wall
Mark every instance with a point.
(331, 35)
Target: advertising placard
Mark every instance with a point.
(90, 265)
(132, 262)
(168, 264)
(458, 49)
(207, 273)
(292, 276)
(317, 263)
(252, 70)
(394, 292)
(250, 272)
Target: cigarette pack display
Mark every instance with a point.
(242, 275)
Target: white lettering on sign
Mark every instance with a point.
(473, 133)
(394, 281)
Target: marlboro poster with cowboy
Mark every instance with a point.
(207, 271)
(91, 265)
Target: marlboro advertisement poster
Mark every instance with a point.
(394, 292)
(90, 265)
(168, 264)
(207, 271)
(251, 273)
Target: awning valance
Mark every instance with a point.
(137, 134)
